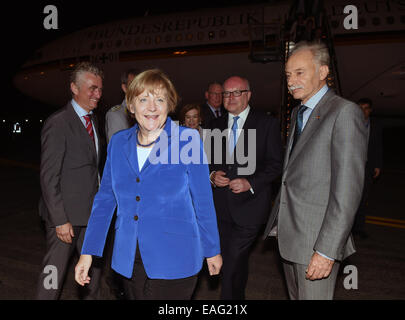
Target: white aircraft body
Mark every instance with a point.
(195, 48)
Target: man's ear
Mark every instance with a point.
(74, 88)
(323, 72)
(249, 95)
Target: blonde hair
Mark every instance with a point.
(152, 80)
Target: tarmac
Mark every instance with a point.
(374, 272)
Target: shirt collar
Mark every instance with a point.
(243, 115)
(79, 110)
(213, 109)
(313, 101)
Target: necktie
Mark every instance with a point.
(299, 124)
(217, 113)
(89, 126)
(232, 142)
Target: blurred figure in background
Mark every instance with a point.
(118, 118)
(190, 116)
(373, 164)
(213, 108)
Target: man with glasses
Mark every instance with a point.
(242, 201)
(213, 107)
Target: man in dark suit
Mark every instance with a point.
(373, 164)
(71, 147)
(213, 107)
(242, 189)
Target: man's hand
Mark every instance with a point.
(377, 172)
(82, 269)
(239, 185)
(319, 267)
(65, 232)
(219, 179)
(214, 264)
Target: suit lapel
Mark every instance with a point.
(223, 125)
(80, 131)
(250, 123)
(290, 138)
(310, 127)
(95, 127)
(130, 151)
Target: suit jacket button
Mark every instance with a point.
(136, 218)
(138, 198)
(137, 179)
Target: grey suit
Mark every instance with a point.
(69, 178)
(321, 186)
(116, 119)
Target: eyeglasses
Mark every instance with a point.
(236, 93)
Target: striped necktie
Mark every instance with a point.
(89, 126)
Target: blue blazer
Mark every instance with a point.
(167, 207)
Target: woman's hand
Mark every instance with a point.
(82, 269)
(214, 264)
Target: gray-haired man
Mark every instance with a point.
(322, 178)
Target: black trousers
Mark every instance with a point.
(236, 244)
(140, 287)
(56, 262)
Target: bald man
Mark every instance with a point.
(243, 197)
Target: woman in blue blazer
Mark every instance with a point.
(157, 175)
